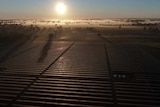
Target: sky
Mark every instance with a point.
(80, 9)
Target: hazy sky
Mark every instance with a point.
(81, 8)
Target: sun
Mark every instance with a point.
(61, 8)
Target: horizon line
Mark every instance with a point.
(72, 18)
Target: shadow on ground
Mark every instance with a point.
(21, 40)
(14, 37)
(46, 48)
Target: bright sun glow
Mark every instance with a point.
(61, 8)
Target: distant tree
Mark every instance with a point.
(120, 26)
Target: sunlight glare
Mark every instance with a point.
(61, 8)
